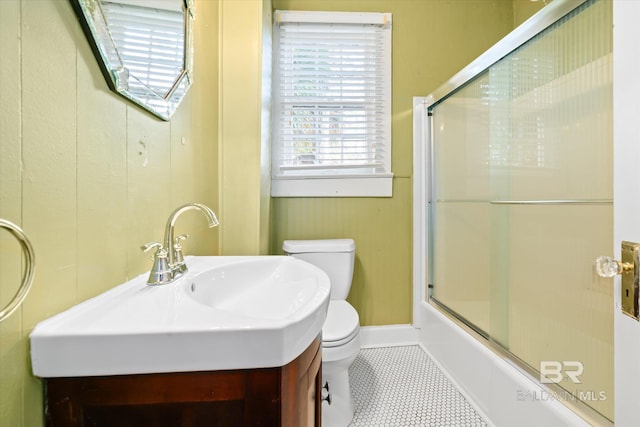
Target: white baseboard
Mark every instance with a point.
(388, 336)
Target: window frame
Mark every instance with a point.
(339, 181)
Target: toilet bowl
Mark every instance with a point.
(341, 330)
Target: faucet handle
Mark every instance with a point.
(179, 264)
(177, 247)
(178, 239)
(160, 273)
(160, 252)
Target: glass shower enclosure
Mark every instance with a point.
(521, 203)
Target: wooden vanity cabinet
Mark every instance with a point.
(287, 396)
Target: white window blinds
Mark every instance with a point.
(332, 94)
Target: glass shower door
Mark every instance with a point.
(522, 203)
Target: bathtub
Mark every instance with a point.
(502, 392)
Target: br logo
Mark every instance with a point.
(553, 371)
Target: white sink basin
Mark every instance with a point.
(225, 313)
(270, 288)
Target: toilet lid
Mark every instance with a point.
(318, 246)
(341, 325)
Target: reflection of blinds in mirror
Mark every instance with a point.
(150, 43)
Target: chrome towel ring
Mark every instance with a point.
(29, 271)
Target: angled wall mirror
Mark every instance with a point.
(144, 48)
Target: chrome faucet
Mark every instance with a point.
(168, 261)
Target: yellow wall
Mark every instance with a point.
(524, 9)
(72, 176)
(244, 123)
(71, 172)
(432, 40)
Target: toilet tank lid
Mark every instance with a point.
(324, 245)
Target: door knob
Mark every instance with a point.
(629, 268)
(609, 267)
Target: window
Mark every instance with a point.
(332, 104)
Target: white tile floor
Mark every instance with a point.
(402, 387)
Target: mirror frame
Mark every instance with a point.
(95, 28)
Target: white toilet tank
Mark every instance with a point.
(334, 256)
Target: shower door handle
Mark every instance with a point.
(629, 269)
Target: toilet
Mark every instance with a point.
(341, 329)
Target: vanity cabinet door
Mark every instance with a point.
(314, 396)
(301, 383)
(287, 396)
(198, 399)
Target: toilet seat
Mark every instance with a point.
(341, 325)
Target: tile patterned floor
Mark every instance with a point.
(402, 387)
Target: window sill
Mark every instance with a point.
(370, 186)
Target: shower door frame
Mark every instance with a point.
(424, 185)
(422, 166)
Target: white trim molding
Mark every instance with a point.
(388, 336)
(421, 182)
(373, 186)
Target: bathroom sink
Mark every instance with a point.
(225, 313)
(270, 288)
